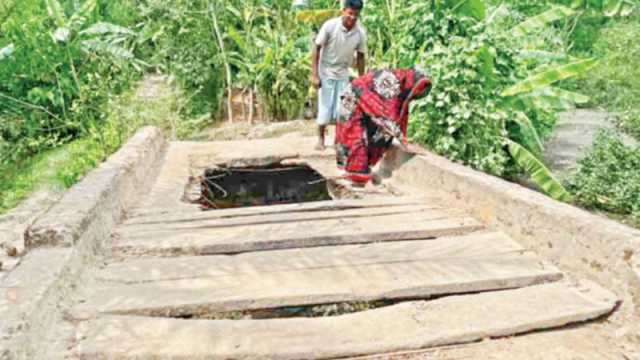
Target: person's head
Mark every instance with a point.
(420, 83)
(350, 13)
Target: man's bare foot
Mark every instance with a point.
(320, 146)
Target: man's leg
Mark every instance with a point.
(321, 132)
(336, 101)
(325, 110)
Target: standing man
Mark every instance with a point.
(336, 44)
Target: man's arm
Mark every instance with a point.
(361, 63)
(315, 59)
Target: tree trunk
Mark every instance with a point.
(250, 106)
(218, 37)
(244, 107)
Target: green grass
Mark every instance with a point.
(67, 164)
(17, 181)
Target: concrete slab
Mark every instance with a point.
(415, 269)
(37, 292)
(253, 211)
(581, 244)
(26, 293)
(293, 235)
(588, 342)
(412, 325)
(151, 269)
(282, 218)
(101, 198)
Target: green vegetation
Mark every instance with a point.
(615, 83)
(65, 165)
(609, 178)
(501, 71)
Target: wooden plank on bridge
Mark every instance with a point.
(410, 269)
(405, 326)
(329, 205)
(280, 218)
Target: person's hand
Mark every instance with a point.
(403, 143)
(315, 81)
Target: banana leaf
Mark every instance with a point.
(554, 14)
(99, 46)
(628, 7)
(553, 99)
(472, 8)
(542, 56)
(101, 28)
(550, 76)
(527, 128)
(538, 173)
(571, 96)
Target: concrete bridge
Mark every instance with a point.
(436, 262)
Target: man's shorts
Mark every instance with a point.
(329, 100)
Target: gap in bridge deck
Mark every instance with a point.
(232, 187)
(285, 312)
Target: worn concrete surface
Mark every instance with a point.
(232, 240)
(494, 313)
(101, 198)
(579, 243)
(149, 269)
(411, 325)
(573, 343)
(37, 292)
(416, 269)
(14, 223)
(39, 281)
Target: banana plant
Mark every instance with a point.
(550, 76)
(538, 91)
(539, 21)
(538, 173)
(101, 37)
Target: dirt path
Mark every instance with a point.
(573, 137)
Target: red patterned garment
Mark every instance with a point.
(374, 109)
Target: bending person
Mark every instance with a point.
(374, 110)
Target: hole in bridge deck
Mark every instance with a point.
(232, 187)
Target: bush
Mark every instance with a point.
(462, 118)
(178, 40)
(615, 83)
(465, 117)
(67, 61)
(608, 177)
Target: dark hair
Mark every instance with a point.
(353, 4)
